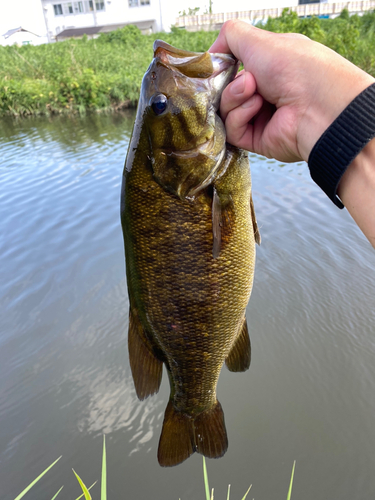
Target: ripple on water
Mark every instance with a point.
(64, 317)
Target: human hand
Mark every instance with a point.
(290, 91)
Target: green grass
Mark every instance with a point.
(85, 491)
(103, 492)
(211, 496)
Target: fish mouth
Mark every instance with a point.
(219, 69)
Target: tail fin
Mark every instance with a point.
(182, 435)
(210, 433)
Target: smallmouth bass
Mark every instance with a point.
(189, 231)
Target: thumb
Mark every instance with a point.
(237, 37)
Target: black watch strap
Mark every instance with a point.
(342, 142)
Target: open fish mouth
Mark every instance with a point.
(219, 69)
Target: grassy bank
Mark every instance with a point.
(83, 75)
(103, 486)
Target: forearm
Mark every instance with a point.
(357, 191)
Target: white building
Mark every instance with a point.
(21, 36)
(27, 14)
(48, 19)
(104, 15)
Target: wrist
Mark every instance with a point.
(356, 190)
(341, 83)
(342, 142)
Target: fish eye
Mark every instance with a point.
(158, 103)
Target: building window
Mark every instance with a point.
(137, 3)
(78, 7)
(68, 8)
(58, 9)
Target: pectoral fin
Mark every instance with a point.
(255, 224)
(222, 222)
(216, 225)
(146, 368)
(238, 359)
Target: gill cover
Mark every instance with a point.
(180, 97)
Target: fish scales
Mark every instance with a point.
(187, 305)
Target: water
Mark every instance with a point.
(65, 379)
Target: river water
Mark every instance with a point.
(65, 379)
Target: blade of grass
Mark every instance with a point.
(291, 482)
(93, 484)
(53, 498)
(83, 486)
(205, 477)
(104, 473)
(228, 491)
(243, 498)
(23, 493)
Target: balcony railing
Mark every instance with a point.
(312, 9)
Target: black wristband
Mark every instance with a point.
(343, 140)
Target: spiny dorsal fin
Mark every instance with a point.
(255, 224)
(146, 369)
(238, 359)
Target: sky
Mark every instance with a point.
(25, 13)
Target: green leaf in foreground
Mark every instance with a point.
(23, 493)
(104, 473)
(81, 496)
(54, 496)
(84, 489)
(205, 477)
(291, 482)
(244, 497)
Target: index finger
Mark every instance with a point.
(236, 37)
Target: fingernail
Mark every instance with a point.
(249, 102)
(238, 85)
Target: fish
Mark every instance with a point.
(189, 230)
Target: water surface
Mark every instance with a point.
(309, 395)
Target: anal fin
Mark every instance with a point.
(146, 368)
(238, 360)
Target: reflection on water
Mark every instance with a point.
(64, 371)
